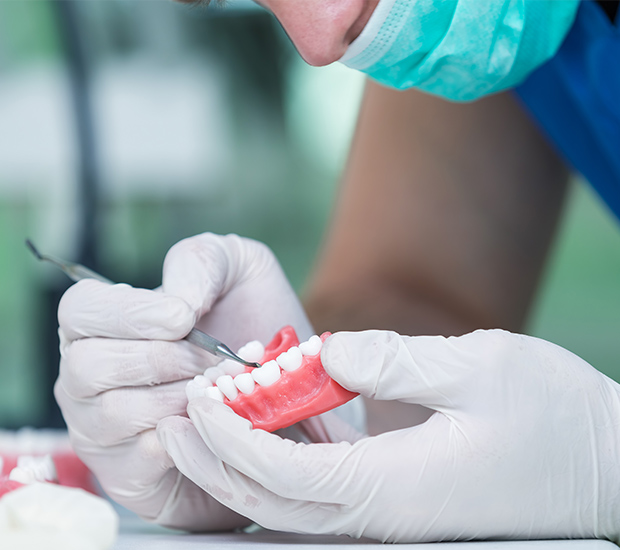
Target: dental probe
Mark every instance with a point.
(77, 272)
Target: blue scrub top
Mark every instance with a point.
(575, 98)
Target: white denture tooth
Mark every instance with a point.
(312, 346)
(213, 373)
(227, 386)
(48, 467)
(267, 375)
(245, 383)
(202, 381)
(253, 351)
(41, 467)
(290, 360)
(22, 475)
(215, 393)
(194, 391)
(231, 367)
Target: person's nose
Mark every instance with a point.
(321, 29)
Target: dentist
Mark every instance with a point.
(442, 227)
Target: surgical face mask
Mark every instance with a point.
(459, 49)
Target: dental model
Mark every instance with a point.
(290, 386)
(6, 484)
(31, 455)
(42, 501)
(44, 515)
(34, 468)
(29, 469)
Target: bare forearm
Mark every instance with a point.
(445, 209)
(444, 220)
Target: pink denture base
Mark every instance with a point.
(297, 395)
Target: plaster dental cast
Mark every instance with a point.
(442, 227)
(47, 498)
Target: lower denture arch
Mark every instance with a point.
(297, 395)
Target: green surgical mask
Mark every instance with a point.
(459, 49)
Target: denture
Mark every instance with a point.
(291, 384)
(30, 456)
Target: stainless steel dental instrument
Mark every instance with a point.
(77, 272)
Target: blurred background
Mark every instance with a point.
(127, 125)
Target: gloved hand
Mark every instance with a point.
(524, 444)
(123, 368)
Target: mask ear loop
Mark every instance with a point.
(369, 32)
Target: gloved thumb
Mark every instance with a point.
(242, 279)
(434, 371)
(200, 269)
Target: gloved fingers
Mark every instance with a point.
(137, 472)
(241, 493)
(92, 308)
(196, 270)
(232, 278)
(200, 269)
(90, 366)
(317, 472)
(191, 508)
(257, 311)
(116, 415)
(328, 428)
(437, 372)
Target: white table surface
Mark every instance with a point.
(140, 536)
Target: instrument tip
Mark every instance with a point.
(33, 249)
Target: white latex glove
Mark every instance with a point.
(524, 444)
(123, 368)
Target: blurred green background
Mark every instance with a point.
(205, 120)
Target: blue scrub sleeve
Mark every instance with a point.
(575, 98)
